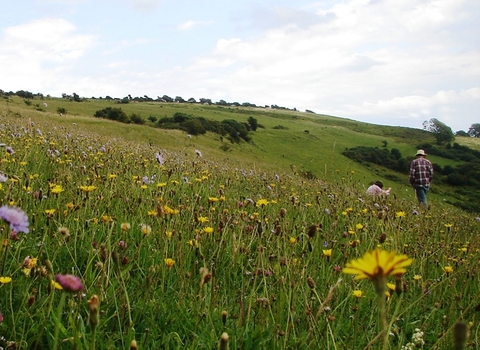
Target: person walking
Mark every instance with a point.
(421, 174)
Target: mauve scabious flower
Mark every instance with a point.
(16, 218)
(9, 150)
(70, 283)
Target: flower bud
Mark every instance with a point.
(94, 311)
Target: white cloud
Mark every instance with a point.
(383, 60)
(190, 25)
(35, 52)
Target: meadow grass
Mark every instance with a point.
(206, 243)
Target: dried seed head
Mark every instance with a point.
(283, 212)
(224, 317)
(382, 237)
(311, 283)
(278, 230)
(224, 341)
(312, 230)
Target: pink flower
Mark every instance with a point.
(70, 283)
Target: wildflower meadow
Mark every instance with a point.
(113, 244)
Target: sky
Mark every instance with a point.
(388, 62)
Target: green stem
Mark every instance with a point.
(57, 321)
(94, 333)
(383, 319)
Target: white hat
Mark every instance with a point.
(420, 152)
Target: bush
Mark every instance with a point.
(110, 113)
(137, 119)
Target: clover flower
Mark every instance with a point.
(15, 217)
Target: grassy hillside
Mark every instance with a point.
(299, 141)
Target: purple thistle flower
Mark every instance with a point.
(15, 217)
(70, 283)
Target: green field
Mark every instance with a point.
(222, 239)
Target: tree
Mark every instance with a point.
(253, 123)
(462, 133)
(443, 133)
(474, 130)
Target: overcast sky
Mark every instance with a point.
(391, 62)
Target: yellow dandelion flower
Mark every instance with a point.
(202, 219)
(56, 189)
(5, 280)
(193, 242)
(448, 269)
(448, 225)
(359, 226)
(50, 212)
(161, 184)
(391, 286)
(357, 293)
(125, 226)
(56, 285)
(400, 214)
(208, 229)
(169, 262)
(261, 202)
(377, 265)
(87, 189)
(293, 240)
(327, 252)
(417, 277)
(152, 213)
(169, 234)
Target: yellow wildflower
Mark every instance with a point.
(169, 262)
(5, 280)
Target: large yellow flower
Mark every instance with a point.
(377, 265)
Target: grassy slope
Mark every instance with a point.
(317, 151)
